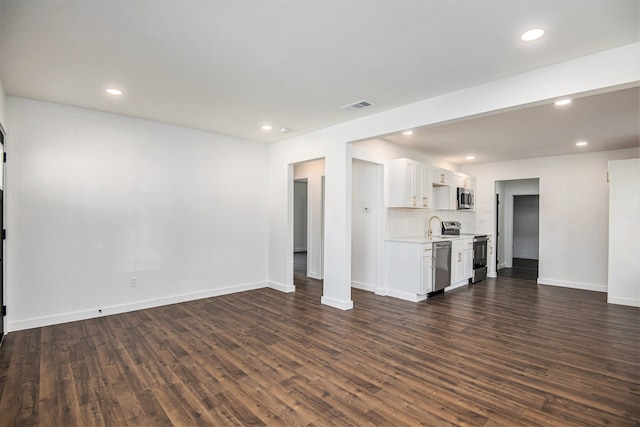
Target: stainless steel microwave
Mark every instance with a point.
(465, 198)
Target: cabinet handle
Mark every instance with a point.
(414, 200)
(459, 256)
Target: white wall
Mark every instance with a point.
(313, 172)
(98, 198)
(367, 224)
(613, 68)
(573, 213)
(624, 231)
(2, 108)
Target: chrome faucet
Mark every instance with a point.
(428, 226)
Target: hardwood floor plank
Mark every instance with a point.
(499, 353)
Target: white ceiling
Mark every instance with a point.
(607, 121)
(229, 66)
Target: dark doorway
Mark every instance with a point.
(525, 234)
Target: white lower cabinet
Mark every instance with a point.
(409, 270)
(461, 261)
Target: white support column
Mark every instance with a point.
(337, 255)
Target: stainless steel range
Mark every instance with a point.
(480, 244)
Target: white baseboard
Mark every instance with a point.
(332, 302)
(382, 292)
(406, 295)
(281, 287)
(623, 301)
(363, 286)
(55, 319)
(456, 286)
(314, 275)
(573, 285)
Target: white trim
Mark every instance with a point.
(573, 285)
(406, 295)
(37, 322)
(314, 275)
(281, 287)
(457, 285)
(623, 301)
(332, 302)
(363, 286)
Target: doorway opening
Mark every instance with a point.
(308, 222)
(518, 230)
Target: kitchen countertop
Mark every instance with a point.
(434, 238)
(423, 239)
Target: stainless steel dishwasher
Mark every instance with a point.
(442, 261)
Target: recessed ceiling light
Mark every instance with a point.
(471, 157)
(581, 143)
(562, 102)
(113, 91)
(532, 35)
(407, 132)
(266, 127)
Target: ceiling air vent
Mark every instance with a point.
(357, 106)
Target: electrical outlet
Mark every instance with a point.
(134, 281)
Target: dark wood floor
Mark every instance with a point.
(490, 354)
(521, 268)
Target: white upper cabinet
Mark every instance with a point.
(440, 177)
(412, 184)
(464, 181)
(408, 184)
(444, 190)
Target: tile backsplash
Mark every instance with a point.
(412, 222)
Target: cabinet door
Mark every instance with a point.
(440, 176)
(425, 178)
(427, 274)
(457, 269)
(463, 180)
(400, 183)
(416, 179)
(468, 263)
